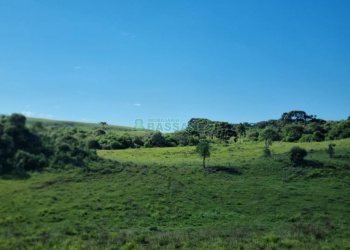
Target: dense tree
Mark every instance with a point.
(156, 140)
(138, 142)
(297, 156)
(103, 125)
(330, 150)
(19, 147)
(100, 132)
(293, 132)
(200, 127)
(224, 131)
(253, 135)
(24, 161)
(297, 116)
(267, 150)
(318, 136)
(241, 130)
(270, 134)
(93, 144)
(37, 127)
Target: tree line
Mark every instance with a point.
(27, 148)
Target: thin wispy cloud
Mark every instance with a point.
(28, 113)
(137, 104)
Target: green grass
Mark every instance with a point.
(83, 125)
(161, 198)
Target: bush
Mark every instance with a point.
(297, 156)
(26, 161)
(93, 144)
(318, 136)
(293, 133)
(330, 150)
(270, 134)
(156, 140)
(266, 152)
(253, 135)
(306, 138)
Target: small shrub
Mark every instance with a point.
(330, 150)
(93, 144)
(297, 156)
(266, 152)
(26, 161)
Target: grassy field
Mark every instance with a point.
(162, 199)
(88, 126)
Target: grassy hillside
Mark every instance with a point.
(161, 198)
(74, 124)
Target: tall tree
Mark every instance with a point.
(203, 149)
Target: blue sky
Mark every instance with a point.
(118, 61)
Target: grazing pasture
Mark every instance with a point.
(156, 198)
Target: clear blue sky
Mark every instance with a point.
(118, 61)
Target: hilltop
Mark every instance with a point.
(74, 124)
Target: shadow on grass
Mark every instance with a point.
(22, 176)
(228, 170)
(313, 164)
(341, 157)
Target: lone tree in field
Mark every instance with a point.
(268, 135)
(330, 150)
(203, 149)
(267, 151)
(297, 156)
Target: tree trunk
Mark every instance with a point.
(203, 161)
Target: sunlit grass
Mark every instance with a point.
(166, 200)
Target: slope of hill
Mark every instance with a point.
(162, 199)
(74, 124)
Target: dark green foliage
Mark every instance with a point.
(138, 142)
(340, 130)
(23, 149)
(200, 127)
(297, 156)
(204, 128)
(241, 129)
(224, 131)
(266, 152)
(330, 150)
(25, 161)
(203, 149)
(307, 138)
(293, 132)
(156, 140)
(93, 144)
(37, 127)
(99, 132)
(270, 134)
(253, 135)
(20, 149)
(125, 141)
(318, 136)
(296, 116)
(292, 127)
(183, 138)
